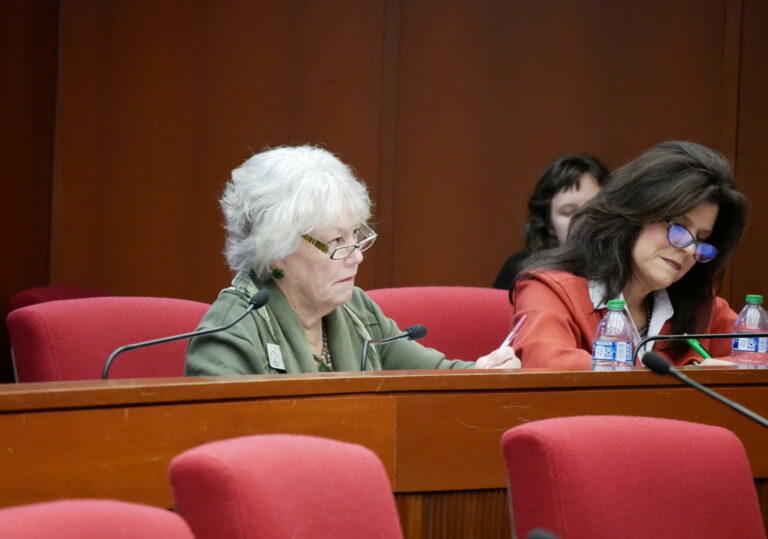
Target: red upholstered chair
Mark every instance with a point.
(41, 294)
(283, 486)
(91, 519)
(71, 339)
(462, 322)
(614, 476)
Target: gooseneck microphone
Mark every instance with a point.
(541, 533)
(411, 333)
(659, 365)
(687, 336)
(258, 301)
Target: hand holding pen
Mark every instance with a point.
(513, 333)
(707, 360)
(504, 356)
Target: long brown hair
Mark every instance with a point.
(665, 182)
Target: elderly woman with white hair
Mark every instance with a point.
(296, 226)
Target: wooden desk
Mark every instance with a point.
(437, 432)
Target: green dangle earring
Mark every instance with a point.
(277, 273)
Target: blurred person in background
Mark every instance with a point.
(564, 187)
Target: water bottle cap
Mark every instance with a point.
(754, 299)
(616, 305)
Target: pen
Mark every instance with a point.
(696, 345)
(514, 331)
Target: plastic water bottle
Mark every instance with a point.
(614, 339)
(752, 318)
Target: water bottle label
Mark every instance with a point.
(620, 351)
(750, 344)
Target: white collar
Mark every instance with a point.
(662, 308)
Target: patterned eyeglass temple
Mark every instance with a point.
(342, 252)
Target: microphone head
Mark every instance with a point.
(656, 363)
(416, 332)
(540, 533)
(260, 299)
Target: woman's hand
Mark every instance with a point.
(710, 362)
(501, 358)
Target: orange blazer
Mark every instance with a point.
(562, 321)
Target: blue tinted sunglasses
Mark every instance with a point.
(680, 237)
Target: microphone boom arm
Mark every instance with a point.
(735, 405)
(646, 340)
(256, 302)
(411, 333)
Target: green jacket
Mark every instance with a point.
(272, 340)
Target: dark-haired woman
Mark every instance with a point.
(564, 187)
(658, 236)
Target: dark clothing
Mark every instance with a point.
(510, 269)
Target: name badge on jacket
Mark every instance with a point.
(275, 357)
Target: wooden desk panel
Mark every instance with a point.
(448, 437)
(123, 452)
(437, 432)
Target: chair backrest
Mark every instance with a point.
(71, 339)
(283, 486)
(41, 294)
(91, 519)
(614, 476)
(462, 322)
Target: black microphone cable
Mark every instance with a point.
(256, 302)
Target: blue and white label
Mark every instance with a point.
(619, 351)
(750, 344)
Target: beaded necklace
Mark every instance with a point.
(323, 359)
(648, 312)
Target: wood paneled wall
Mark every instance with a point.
(28, 34)
(749, 265)
(490, 92)
(448, 109)
(158, 101)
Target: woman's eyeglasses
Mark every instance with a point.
(680, 237)
(365, 236)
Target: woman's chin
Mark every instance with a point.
(341, 297)
(347, 296)
(664, 277)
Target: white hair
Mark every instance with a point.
(277, 195)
